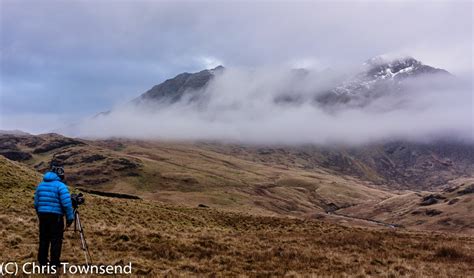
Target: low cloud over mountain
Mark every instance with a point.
(383, 99)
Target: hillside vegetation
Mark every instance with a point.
(356, 186)
(163, 239)
(190, 174)
(448, 210)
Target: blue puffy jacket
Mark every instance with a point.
(52, 196)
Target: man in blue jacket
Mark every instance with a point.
(52, 202)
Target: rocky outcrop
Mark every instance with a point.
(56, 144)
(431, 199)
(379, 76)
(15, 155)
(174, 89)
(467, 190)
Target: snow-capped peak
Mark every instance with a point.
(384, 71)
(387, 59)
(388, 67)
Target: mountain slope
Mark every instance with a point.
(449, 209)
(171, 240)
(379, 77)
(188, 174)
(305, 181)
(174, 89)
(394, 164)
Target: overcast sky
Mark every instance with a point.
(65, 60)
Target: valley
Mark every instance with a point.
(163, 239)
(335, 185)
(237, 139)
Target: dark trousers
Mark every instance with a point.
(51, 228)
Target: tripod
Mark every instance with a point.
(78, 227)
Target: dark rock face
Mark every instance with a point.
(429, 202)
(33, 141)
(453, 201)
(8, 142)
(173, 90)
(124, 164)
(398, 164)
(450, 189)
(406, 164)
(9, 148)
(377, 78)
(56, 144)
(424, 165)
(331, 207)
(84, 164)
(92, 158)
(16, 155)
(432, 212)
(431, 199)
(427, 212)
(468, 190)
(67, 156)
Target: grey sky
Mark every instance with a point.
(62, 60)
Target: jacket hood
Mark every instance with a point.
(51, 176)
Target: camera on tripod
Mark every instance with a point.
(77, 200)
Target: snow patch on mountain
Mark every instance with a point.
(381, 75)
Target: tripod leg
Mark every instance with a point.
(84, 246)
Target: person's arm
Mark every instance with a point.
(36, 199)
(66, 203)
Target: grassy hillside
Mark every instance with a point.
(163, 239)
(189, 174)
(304, 181)
(396, 164)
(450, 209)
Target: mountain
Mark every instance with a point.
(449, 209)
(13, 132)
(393, 164)
(326, 90)
(190, 173)
(174, 89)
(297, 181)
(398, 68)
(379, 76)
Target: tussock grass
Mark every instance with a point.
(453, 253)
(170, 240)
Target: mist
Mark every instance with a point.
(242, 105)
(62, 61)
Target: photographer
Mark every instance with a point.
(52, 201)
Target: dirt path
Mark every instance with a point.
(390, 225)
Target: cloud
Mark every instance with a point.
(88, 57)
(305, 63)
(240, 106)
(209, 62)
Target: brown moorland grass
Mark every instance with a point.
(171, 240)
(286, 181)
(180, 172)
(451, 209)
